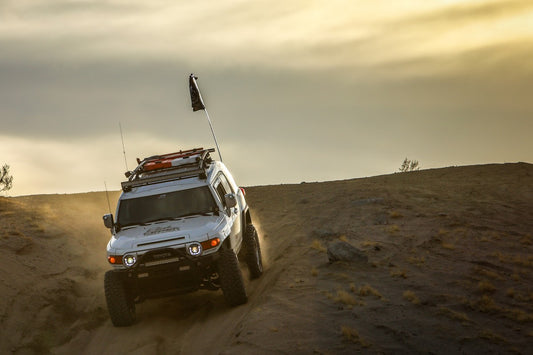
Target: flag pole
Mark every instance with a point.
(198, 104)
(213, 132)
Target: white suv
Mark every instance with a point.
(180, 223)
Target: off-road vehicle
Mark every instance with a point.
(182, 224)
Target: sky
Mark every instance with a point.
(297, 90)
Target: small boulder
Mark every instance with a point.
(341, 251)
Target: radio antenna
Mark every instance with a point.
(107, 195)
(123, 147)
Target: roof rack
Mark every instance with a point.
(168, 167)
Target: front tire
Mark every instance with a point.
(253, 256)
(120, 305)
(231, 280)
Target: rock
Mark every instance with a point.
(342, 251)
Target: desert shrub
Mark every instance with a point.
(485, 304)
(352, 335)
(398, 273)
(366, 290)
(491, 336)
(317, 245)
(395, 214)
(486, 286)
(409, 165)
(418, 261)
(411, 297)
(6, 180)
(393, 229)
(453, 314)
(345, 298)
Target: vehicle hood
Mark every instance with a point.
(166, 233)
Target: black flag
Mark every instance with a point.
(196, 98)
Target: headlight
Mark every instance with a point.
(194, 249)
(129, 260)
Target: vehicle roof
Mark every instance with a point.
(176, 185)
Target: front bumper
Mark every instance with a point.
(168, 271)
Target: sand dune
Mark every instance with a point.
(450, 270)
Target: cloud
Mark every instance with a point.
(379, 81)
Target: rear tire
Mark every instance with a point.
(253, 256)
(120, 305)
(231, 280)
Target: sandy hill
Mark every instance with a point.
(449, 270)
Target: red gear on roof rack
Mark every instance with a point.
(170, 159)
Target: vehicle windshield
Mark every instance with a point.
(169, 205)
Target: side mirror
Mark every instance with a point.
(231, 201)
(108, 220)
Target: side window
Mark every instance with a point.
(221, 192)
(223, 187)
(226, 184)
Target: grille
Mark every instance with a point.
(162, 256)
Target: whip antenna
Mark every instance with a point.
(107, 195)
(123, 147)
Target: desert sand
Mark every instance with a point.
(449, 270)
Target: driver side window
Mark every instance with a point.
(221, 192)
(222, 188)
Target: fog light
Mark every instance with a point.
(195, 249)
(129, 260)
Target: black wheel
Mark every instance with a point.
(120, 305)
(253, 252)
(231, 280)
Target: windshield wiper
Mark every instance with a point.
(120, 227)
(209, 213)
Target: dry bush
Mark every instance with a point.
(367, 290)
(353, 288)
(448, 246)
(368, 243)
(398, 273)
(317, 245)
(393, 229)
(419, 261)
(488, 273)
(453, 314)
(395, 214)
(352, 335)
(527, 240)
(411, 297)
(518, 315)
(409, 165)
(512, 293)
(486, 286)
(345, 298)
(492, 337)
(485, 304)
(518, 260)
(344, 238)
(483, 239)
